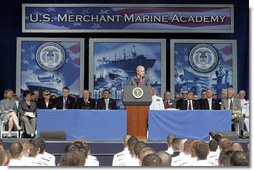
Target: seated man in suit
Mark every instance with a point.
(167, 101)
(86, 102)
(181, 102)
(189, 104)
(46, 102)
(140, 79)
(209, 103)
(106, 103)
(233, 104)
(203, 97)
(65, 101)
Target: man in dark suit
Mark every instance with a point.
(203, 97)
(86, 102)
(46, 102)
(167, 101)
(181, 103)
(140, 79)
(189, 104)
(65, 101)
(106, 103)
(209, 103)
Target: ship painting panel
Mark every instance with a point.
(116, 62)
(37, 75)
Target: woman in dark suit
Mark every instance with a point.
(27, 109)
(46, 102)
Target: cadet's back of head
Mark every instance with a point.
(151, 160)
(2, 156)
(72, 158)
(170, 139)
(239, 158)
(176, 144)
(15, 150)
(202, 150)
(165, 158)
(213, 145)
(224, 158)
(145, 151)
(138, 146)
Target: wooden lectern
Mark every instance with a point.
(137, 101)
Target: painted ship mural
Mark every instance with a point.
(128, 62)
(49, 82)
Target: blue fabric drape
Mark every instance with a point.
(187, 124)
(84, 124)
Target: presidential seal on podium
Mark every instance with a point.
(137, 92)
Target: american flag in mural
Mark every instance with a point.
(73, 50)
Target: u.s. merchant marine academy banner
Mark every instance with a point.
(57, 18)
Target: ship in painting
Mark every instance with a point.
(128, 62)
(49, 82)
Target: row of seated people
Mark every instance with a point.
(181, 152)
(66, 101)
(27, 107)
(229, 101)
(33, 153)
(25, 110)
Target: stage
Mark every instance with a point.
(103, 150)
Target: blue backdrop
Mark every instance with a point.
(10, 21)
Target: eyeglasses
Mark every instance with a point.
(47, 94)
(184, 93)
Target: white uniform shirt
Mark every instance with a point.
(15, 162)
(189, 161)
(157, 103)
(91, 161)
(47, 158)
(202, 163)
(180, 159)
(133, 162)
(32, 161)
(245, 107)
(121, 158)
(213, 157)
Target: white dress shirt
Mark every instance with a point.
(210, 103)
(190, 103)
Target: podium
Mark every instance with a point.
(137, 101)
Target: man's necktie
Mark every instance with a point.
(231, 104)
(140, 82)
(167, 104)
(189, 107)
